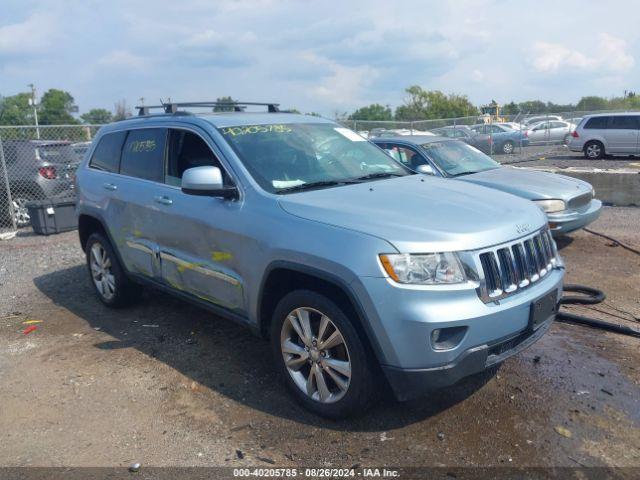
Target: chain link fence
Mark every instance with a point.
(38, 163)
(495, 135)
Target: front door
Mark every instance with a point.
(198, 244)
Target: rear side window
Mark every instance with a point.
(143, 154)
(624, 122)
(106, 156)
(596, 123)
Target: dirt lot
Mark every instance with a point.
(561, 157)
(165, 383)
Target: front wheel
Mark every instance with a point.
(320, 355)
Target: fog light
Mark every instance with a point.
(553, 225)
(447, 338)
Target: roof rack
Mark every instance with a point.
(172, 107)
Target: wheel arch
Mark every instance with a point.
(282, 277)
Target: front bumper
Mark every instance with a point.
(412, 383)
(403, 322)
(569, 221)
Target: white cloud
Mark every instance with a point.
(477, 76)
(610, 52)
(35, 34)
(123, 59)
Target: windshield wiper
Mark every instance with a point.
(311, 185)
(372, 176)
(464, 173)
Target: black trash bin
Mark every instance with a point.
(52, 215)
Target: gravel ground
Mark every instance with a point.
(166, 384)
(559, 156)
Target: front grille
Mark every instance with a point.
(581, 200)
(507, 269)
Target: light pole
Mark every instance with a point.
(33, 103)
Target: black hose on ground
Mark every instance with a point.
(590, 296)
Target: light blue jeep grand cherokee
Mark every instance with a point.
(362, 274)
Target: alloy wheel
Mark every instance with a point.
(21, 212)
(101, 273)
(593, 150)
(315, 355)
(507, 148)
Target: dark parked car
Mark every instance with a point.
(37, 169)
(504, 139)
(481, 141)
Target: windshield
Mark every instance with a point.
(457, 158)
(291, 157)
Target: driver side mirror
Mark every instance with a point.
(425, 169)
(206, 181)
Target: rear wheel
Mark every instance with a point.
(508, 147)
(109, 280)
(593, 150)
(321, 356)
(20, 211)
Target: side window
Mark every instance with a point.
(143, 154)
(407, 156)
(106, 156)
(624, 122)
(458, 133)
(187, 150)
(596, 123)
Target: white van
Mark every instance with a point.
(607, 134)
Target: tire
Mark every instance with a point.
(343, 395)
(593, 150)
(20, 212)
(508, 147)
(107, 276)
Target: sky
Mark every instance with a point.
(319, 56)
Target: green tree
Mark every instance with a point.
(592, 103)
(374, 111)
(510, 108)
(121, 110)
(225, 108)
(56, 108)
(429, 104)
(15, 110)
(97, 116)
(533, 106)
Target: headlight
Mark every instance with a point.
(551, 206)
(424, 269)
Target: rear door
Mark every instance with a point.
(135, 214)
(622, 134)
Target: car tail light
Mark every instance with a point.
(574, 134)
(526, 134)
(48, 172)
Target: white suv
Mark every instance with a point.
(607, 134)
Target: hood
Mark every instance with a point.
(419, 213)
(530, 184)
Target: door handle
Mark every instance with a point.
(161, 199)
(110, 186)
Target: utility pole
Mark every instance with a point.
(33, 103)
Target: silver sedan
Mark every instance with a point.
(550, 131)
